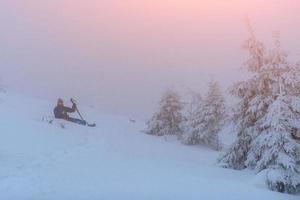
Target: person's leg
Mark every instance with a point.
(77, 121)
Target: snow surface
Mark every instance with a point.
(115, 160)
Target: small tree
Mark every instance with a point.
(206, 120)
(214, 114)
(193, 121)
(168, 119)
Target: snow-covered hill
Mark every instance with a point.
(112, 161)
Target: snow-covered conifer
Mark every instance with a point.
(205, 122)
(274, 149)
(252, 105)
(193, 120)
(168, 120)
(267, 117)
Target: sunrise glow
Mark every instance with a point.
(149, 99)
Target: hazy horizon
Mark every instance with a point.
(121, 55)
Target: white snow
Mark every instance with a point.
(115, 160)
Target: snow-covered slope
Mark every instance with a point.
(112, 161)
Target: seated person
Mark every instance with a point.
(61, 112)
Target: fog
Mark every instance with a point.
(121, 55)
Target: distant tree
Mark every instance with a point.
(194, 105)
(168, 120)
(192, 120)
(266, 116)
(205, 122)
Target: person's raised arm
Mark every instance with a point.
(70, 110)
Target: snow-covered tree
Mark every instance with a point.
(195, 105)
(168, 120)
(205, 122)
(274, 149)
(267, 116)
(253, 102)
(192, 121)
(214, 115)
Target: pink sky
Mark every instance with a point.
(122, 54)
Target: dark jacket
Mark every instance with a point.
(60, 112)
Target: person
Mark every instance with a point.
(61, 112)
